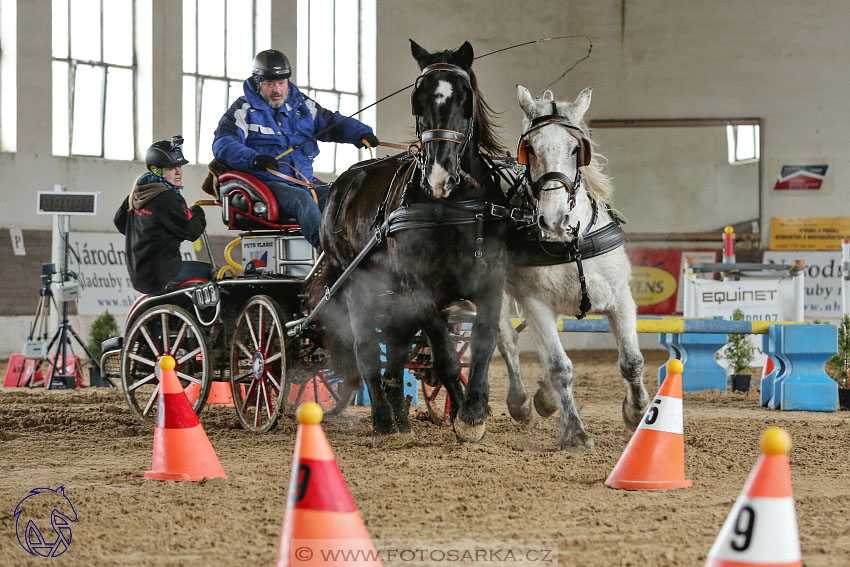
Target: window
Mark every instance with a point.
(743, 143)
(8, 79)
(220, 39)
(94, 73)
(336, 44)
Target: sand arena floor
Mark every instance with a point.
(513, 484)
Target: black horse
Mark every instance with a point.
(430, 219)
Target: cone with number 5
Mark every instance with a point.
(761, 529)
(321, 524)
(654, 459)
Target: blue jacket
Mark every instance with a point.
(251, 127)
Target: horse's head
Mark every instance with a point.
(555, 146)
(444, 102)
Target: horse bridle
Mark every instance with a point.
(582, 153)
(443, 134)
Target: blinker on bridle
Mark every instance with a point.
(582, 157)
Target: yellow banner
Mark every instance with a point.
(808, 233)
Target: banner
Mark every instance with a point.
(99, 260)
(808, 233)
(823, 282)
(656, 275)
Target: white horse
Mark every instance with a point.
(572, 201)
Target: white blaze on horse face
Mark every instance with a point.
(443, 92)
(437, 180)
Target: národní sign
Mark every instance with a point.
(99, 260)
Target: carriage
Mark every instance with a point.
(235, 329)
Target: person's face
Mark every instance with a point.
(274, 92)
(174, 176)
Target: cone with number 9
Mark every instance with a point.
(761, 529)
(654, 459)
(321, 524)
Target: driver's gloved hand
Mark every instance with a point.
(263, 161)
(369, 139)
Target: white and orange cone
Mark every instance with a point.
(181, 448)
(761, 529)
(321, 525)
(654, 459)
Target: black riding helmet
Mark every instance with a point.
(270, 65)
(164, 155)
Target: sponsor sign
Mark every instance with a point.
(656, 275)
(823, 282)
(808, 233)
(803, 177)
(99, 260)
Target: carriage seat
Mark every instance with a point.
(247, 204)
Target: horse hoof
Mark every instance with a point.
(469, 432)
(578, 443)
(543, 402)
(631, 414)
(520, 413)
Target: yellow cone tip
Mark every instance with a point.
(675, 366)
(309, 413)
(167, 362)
(728, 230)
(775, 441)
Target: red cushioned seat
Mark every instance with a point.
(247, 204)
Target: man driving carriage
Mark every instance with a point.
(155, 219)
(275, 124)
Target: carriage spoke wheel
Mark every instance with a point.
(325, 388)
(258, 365)
(160, 331)
(435, 398)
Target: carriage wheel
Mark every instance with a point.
(258, 365)
(160, 331)
(436, 398)
(324, 387)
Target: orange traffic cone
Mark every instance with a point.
(321, 525)
(220, 394)
(761, 529)
(654, 459)
(181, 449)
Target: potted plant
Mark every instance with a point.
(739, 355)
(838, 367)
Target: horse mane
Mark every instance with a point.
(485, 120)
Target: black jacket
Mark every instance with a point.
(154, 227)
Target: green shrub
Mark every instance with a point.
(838, 367)
(739, 350)
(104, 327)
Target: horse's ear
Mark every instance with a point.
(526, 102)
(548, 95)
(419, 53)
(582, 102)
(465, 55)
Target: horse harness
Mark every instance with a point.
(584, 245)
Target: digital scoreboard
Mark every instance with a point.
(66, 203)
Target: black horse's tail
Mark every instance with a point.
(335, 319)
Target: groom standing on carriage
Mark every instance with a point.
(274, 124)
